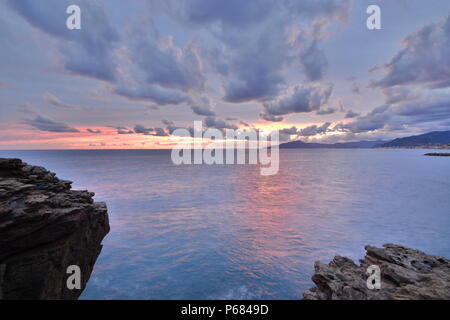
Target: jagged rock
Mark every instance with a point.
(44, 228)
(406, 274)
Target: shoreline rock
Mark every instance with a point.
(406, 274)
(44, 228)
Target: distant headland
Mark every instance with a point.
(438, 154)
(431, 140)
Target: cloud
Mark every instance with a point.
(167, 122)
(355, 88)
(424, 59)
(289, 131)
(432, 108)
(203, 111)
(233, 13)
(414, 87)
(325, 111)
(255, 68)
(314, 130)
(314, 61)
(153, 93)
(252, 44)
(374, 120)
(45, 124)
(270, 117)
(141, 129)
(122, 130)
(351, 114)
(97, 131)
(300, 99)
(309, 131)
(89, 51)
(238, 14)
(212, 122)
(398, 94)
(160, 132)
(154, 69)
(54, 100)
(168, 66)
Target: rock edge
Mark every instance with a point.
(44, 228)
(406, 274)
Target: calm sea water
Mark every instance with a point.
(226, 232)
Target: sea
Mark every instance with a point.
(228, 232)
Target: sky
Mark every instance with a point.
(138, 70)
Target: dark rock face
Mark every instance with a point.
(44, 228)
(406, 273)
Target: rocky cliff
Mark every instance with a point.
(45, 227)
(405, 274)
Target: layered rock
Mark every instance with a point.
(45, 227)
(406, 273)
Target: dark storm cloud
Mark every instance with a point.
(424, 60)
(45, 124)
(88, 51)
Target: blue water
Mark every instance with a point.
(226, 232)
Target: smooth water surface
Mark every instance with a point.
(226, 232)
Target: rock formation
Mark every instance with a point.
(405, 274)
(45, 227)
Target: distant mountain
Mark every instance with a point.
(435, 138)
(343, 145)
